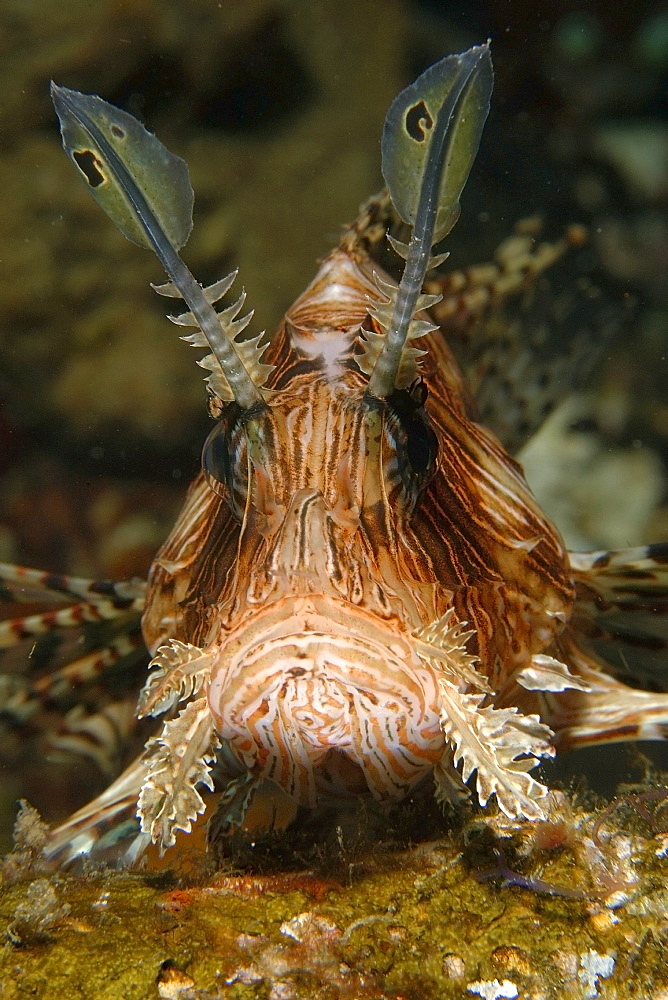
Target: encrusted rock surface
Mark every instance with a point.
(570, 909)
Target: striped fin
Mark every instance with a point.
(84, 669)
(96, 628)
(86, 648)
(635, 578)
(100, 736)
(14, 630)
(20, 583)
(26, 700)
(621, 610)
(109, 817)
(528, 327)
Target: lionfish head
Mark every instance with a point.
(316, 681)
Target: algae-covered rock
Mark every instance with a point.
(571, 908)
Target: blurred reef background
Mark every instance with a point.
(277, 106)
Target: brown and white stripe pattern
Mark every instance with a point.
(311, 603)
(355, 626)
(313, 681)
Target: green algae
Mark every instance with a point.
(423, 923)
(107, 946)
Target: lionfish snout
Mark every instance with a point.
(321, 699)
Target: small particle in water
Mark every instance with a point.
(492, 989)
(577, 36)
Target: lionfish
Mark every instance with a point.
(361, 590)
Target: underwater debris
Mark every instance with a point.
(248, 887)
(612, 881)
(37, 915)
(30, 830)
(492, 989)
(30, 836)
(454, 966)
(509, 877)
(316, 957)
(592, 968)
(639, 802)
(613, 868)
(173, 983)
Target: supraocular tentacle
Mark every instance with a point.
(146, 192)
(431, 136)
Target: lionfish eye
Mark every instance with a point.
(417, 445)
(218, 460)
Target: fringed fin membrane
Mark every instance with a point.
(177, 672)
(443, 645)
(178, 760)
(501, 746)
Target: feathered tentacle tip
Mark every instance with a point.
(177, 761)
(500, 745)
(146, 192)
(430, 138)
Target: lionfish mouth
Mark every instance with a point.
(313, 698)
